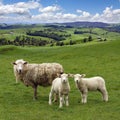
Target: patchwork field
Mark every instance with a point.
(93, 59)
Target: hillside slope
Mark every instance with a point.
(92, 59)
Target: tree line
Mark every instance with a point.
(24, 40)
(30, 41)
(48, 34)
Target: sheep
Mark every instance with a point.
(36, 74)
(90, 84)
(61, 87)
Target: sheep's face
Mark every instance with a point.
(64, 78)
(20, 65)
(78, 77)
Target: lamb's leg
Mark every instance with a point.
(66, 99)
(55, 98)
(61, 100)
(84, 97)
(50, 97)
(104, 94)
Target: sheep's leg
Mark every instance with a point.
(35, 92)
(66, 99)
(16, 80)
(104, 94)
(50, 97)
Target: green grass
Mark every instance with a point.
(93, 59)
(11, 34)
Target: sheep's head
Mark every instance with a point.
(20, 65)
(64, 78)
(77, 77)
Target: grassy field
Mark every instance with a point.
(11, 34)
(102, 59)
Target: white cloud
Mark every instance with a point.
(83, 13)
(11, 9)
(111, 16)
(86, 14)
(49, 9)
(28, 5)
(20, 8)
(23, 11)
(79, 11)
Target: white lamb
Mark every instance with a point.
(61, 87)
(36, 74)
(90, 84)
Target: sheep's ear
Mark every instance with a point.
(14, 63)
(58, 75)
(83, 75)
(70, 75)
(25, 63)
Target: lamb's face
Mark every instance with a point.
(19, 65)
(64, 78)
(77, 78)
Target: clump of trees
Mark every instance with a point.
(31, 41)
(89, 39)
(48, 34)
(24, 40)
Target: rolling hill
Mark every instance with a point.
(92, 59)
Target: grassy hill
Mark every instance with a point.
(93, 59)
(50, 35)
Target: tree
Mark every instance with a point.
(90, 38)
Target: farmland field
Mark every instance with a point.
(93, 59)
(54, 35)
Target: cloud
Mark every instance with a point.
(20, 8)
(54, 8)
(109, 15)
(34, 12)
(28, 5)
(83, 13)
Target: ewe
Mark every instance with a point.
(90, 84)
(36, 74)
(61, 87)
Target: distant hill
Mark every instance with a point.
(106, 26)
(87, 24)
(14, 26)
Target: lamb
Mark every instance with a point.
(90, 84)
(61, 87)
(36, 74)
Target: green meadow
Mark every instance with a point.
(92, 59)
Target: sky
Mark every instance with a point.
(59, 11)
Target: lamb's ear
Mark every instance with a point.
(70, 75)
(83, 75)
(14, 63)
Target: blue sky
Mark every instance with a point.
(49, 11)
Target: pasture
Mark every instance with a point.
(93, 59)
